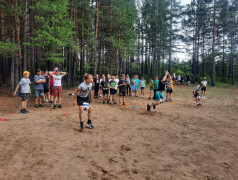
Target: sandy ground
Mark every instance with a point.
(175, 141)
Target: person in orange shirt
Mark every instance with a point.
(169, 89)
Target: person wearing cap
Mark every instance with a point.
(204, 82)
(57, 87)
(25, 91)
(39, 88)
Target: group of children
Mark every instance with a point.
(47, 86)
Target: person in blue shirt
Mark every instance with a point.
(39, 88)
(138, 82)
(25, 91)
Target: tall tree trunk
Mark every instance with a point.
(213, 45)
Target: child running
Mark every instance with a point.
(105, 89)
(134, 87)
(83, 97)
(196, 95)
(57, 92)
(159, 93)
(156, 86)
(25, 91)
(204, 82)
(122, 90)
(151, 88)
(142, 84)
(112, 86)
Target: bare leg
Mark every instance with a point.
(36, 100)
(81, 113)
(59, 98)
(90, 113)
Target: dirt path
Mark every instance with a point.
(175, 141)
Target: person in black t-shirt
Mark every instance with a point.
(105, 89)
(122, 90)
(96, 86)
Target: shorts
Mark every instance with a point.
(113, 91)
(105, 91)
(196, 94)
(159, 95)
(57, 91)
(51, 90)
(122, 94)
(25, 96)
(81, 100)
(169, 91)
(46, 90)
(39, 93)
(142, 88)
(134, 88)
(204, 89)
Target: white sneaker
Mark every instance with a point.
(204, 97)
(47, 100)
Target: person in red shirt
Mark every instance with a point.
(52, 86)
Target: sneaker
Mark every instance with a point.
(55, 106)
(103, 102)
(170, 99)
(110, 104)
(89, 124)
(26, 111)
(43, 101)
(124, 104)
(47, 100)
(204, 97)
(81, 126)
(36, 106)
(199, 104)
(41, 105)
(166, 100)
(51, 105)
(115, 102)
(149, 98)
(23, 112)
(59, 106)
(107, 101)
(148, 107)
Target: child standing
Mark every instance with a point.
(25, 91)
(137, 82)
(57, 90)
(142, 85)
(159, 94)
(117, 81)
(96, 86)
(128, 85)
(169, 89)
(134, 87)
(112, 86)
(39, 88)
(204, 82)
(105, 89)
(151, 88)
(46, 87)
(196, 95)
(83, 96)
(122, 90)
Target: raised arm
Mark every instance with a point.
(63, 73)
(164, 78)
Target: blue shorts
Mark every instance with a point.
(134, 88)
(113, 91)
(159, 95)
(39, 93)
(142, 88)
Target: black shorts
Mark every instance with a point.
(196, 94)
(46, 90)
(105, 91)
(204, 89)
(25, 96)
(169, 91)
(81, 100)
(113, 91)
(122, 94)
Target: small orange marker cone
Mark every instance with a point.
(66, 114)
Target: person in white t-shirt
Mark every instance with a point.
(57, 87)
(117, 81)
(83, 97)
(204, 82)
